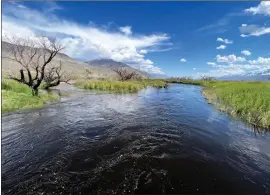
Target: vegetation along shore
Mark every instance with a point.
(120, 86)
(247, 100)
(16, 96)
(45, 66)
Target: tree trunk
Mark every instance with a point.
(34, 91)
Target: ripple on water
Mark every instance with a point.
(156, 141)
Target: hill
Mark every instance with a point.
(98, 67)
(106, 65)
(70, 65)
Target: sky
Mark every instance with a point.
(166, 38)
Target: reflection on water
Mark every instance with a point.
(156, 141)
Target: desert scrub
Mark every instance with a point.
(16, 96)
(120, 86)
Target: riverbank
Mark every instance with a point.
(120, 86)
(17, 96)
(134, 138)
(247, 100)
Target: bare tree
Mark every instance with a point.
(124, 74)
(34, 56)
(54, 76)
(88, 73)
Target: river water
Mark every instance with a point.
(156, 141)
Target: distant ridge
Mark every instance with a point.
(263, 76)
(99, 67)
(105, 62)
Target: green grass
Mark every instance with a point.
(16, 96)
(120, 86)
(184, 80)
(248, 100)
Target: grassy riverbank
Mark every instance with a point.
(17, 96)
(184, 81)
(120, 86)
(248, 100)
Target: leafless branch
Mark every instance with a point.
(124, 74)
(34, 56)
(54, 76)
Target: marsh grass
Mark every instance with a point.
(120, 86)
(187, 80)
(247, 100)
(17, 96)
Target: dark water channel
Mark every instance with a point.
(157, 141)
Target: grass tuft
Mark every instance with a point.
(120, 86)
(16, 96)
(248, 100)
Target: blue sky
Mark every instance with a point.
(172, 38)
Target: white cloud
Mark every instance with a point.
(244, 25)
(260, 60)
(221, 47)
(260, 65)
(230, 58)
(211, 63)
(220, 39)
(226, 41)
(246, 52)
(126, 30)
(263, 8)
(236, 69)
(143, 51)
(21, 6)
(84, 42)
(253, 30)
(194, 68)
(223, 70)
(183, 60)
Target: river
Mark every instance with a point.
(155, 141)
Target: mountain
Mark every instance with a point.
(69, 65)
(107, 63)
(264, 76)
(100, 68)
(107, 66)
(77, 69)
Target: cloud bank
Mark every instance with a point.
(84, 42)
(233, 65)
(253, 30)
(230, 58)
(263, 8)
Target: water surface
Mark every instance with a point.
(155, 141)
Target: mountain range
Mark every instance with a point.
(98, 67)
(263, 76)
